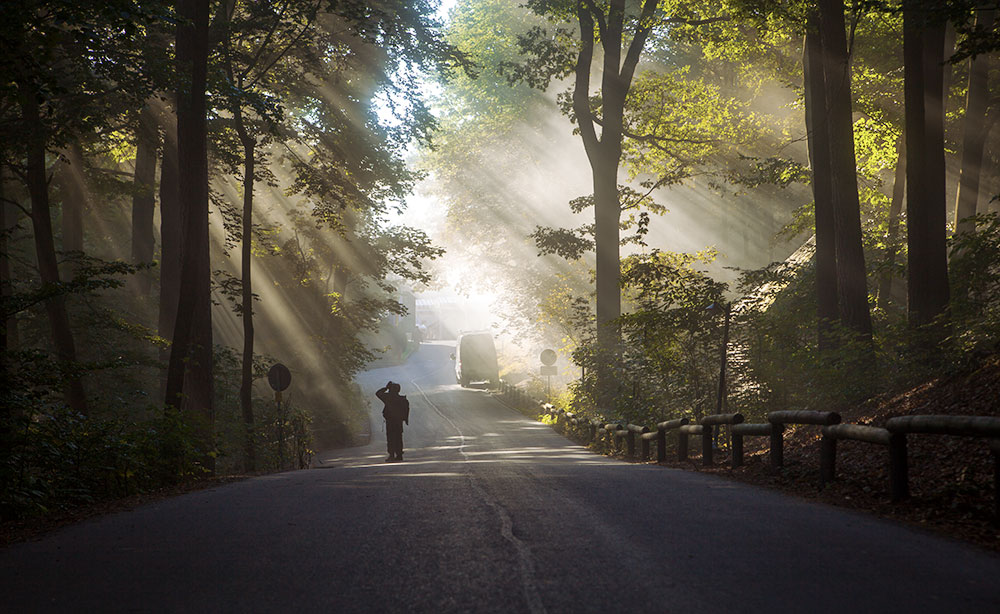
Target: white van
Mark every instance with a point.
(476, 359)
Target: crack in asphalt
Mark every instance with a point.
(525, 560)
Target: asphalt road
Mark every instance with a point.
(491, 512)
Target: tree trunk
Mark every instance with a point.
(246, 380)
(604, 154)
(74, 199)
(143, 196)
(604, 165)
(827, 310)
(973, 132)
(48, 267)
(6, 409)
(171, 243)
(7, 223)
(189, 374)
(5, 292)
(927, 270)
(851, 275)
(892, 232)
(607, 217)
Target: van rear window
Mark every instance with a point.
(479, 345)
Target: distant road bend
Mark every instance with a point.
(491, 512)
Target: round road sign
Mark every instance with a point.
(279, 377)
(548, 357)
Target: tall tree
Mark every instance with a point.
(892, 231)
(8, 327)
(190, 370)
(74, 194)
(70, 71)
(927, 269)
(622, 35)
(817, 121)
(171, 248)
(147, 138)
(41, 223)
(259, 40)
(974, 130)
(604, 151)
(852, 286)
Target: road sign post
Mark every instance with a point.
(280, 378)
(548, 369)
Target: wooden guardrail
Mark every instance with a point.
(631, 431)
(958, 426)
(683, 432)
(661, 436)
(739, 431)
(893, 437)
(707, 423)
(779, 419)
(619, 435)
(995, 449)
(592, 425)
(612, 430)
(853, 432)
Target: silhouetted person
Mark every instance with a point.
(396, 412)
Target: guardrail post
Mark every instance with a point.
(827, 460)
(661, 438)
(737, 460)
(899, 479)
(995, 449)
(739, 431)
(644, 449)
(777, 445)
(630, 443)
(708, 423)
(682, 446)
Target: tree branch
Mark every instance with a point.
(581, 91)
(655, 140)
(638, 41)
(612, 43)
(267, 41)
(696, 22)
(292, 43)
(16, 204)
(599, 16)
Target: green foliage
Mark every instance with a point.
(331, 94)
(670, 339)
(677, 125)
(57, 459)
(567, 243)
(975, 277)
(90, 275)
